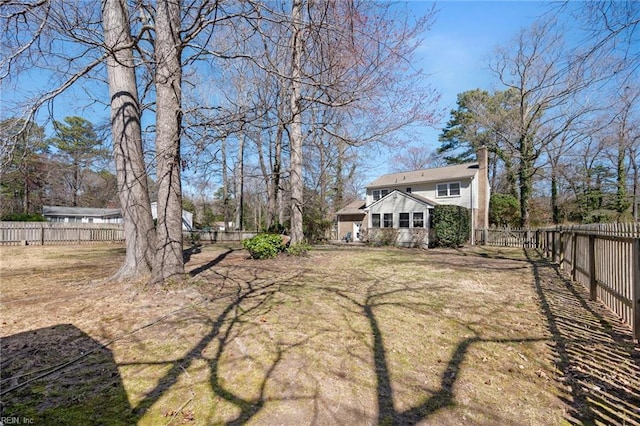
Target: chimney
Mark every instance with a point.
(483, 188)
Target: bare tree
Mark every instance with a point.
(414, 158)
(169, 262)
(546, 81)
(127, 142)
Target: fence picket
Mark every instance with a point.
(605, 258)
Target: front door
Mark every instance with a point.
(356, 231)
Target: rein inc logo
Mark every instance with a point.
(16, 420)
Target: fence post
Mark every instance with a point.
(561, 249)
(42, 234)
(574, 257)
(593, 283)
(635, 321)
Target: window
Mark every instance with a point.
(418, 220)
(404, 220)
(375, 220)
(451, 189)
(388, 220)
(409, 190)
(379, 193)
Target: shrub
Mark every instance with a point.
(299, 249)
(23, 217)
(504, 210)
(263, 246)
(382, 236)
(194, 237)
(452, 225)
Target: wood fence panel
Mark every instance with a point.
(40, 233)
(605, 258)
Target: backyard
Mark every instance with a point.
(341, 336)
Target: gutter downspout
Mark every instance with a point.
(473, 222)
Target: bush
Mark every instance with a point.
(382, 236)
(23, 217)
(299, 249)
(504, 210)
(264, 246)
(452, 225)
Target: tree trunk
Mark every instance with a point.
(168, 78)
(525, 176)
(273, 202)
(295, 134)
(225, 184)
(240, 185)
(555, 210)
(621, 204)
(127, 143)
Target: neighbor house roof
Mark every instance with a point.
(458, 171)
(418, 198)
(79, 211)
(354, 207)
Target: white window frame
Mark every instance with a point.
(448, 189)
(413, 219)
(377, 194)
(408, 221)
(384, 220)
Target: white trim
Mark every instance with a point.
(448, 184)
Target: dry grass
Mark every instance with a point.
(343, 336)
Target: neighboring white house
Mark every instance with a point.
(187, 217)
(94, 215)
(81, 215)
(403, 201)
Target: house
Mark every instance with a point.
(81, 215)
(95, 215)
(350, 220)
(404, 201)
(187, 217)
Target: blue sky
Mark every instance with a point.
(455, 53)
(457, 50)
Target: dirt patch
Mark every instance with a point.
(382, 336)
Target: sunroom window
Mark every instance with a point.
(375, 220)
(404, 220)
(418, 220)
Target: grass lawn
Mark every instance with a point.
(342, 336)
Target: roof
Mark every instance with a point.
(354, 207)
(457, 171)
(418, 198)
(79, 211)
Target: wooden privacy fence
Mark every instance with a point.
(506, 237)
(51, 233)
(217, 236)
(605, 258)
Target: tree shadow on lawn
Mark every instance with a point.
(440, 398)
(60, 375)
(77, 380)
(595, 351)
(251, 299)
(202, 268)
